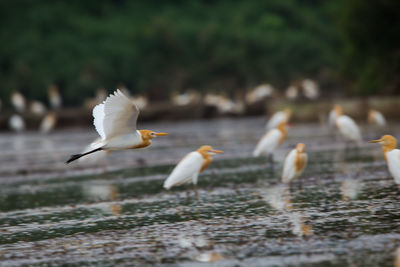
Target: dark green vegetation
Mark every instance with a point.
(158, 47)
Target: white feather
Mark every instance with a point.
(332, 117)
(186, 171)
(117, 115)
(393, 159)
(379, 118)
(348, 128)
(277, 118)
(289, 166)
(268, 143)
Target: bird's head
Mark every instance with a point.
(148, 134)
(388, 141)
(338, 109)
(208, 151)
(301, 148)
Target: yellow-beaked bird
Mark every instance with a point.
(295, 163)
(391, 155)
(115, 121)
(270, 141)
(278, 117)
(189, 168)
(346, 125)
(376, 117)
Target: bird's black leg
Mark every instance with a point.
(196, 193)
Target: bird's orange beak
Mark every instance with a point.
(217, 151)
(160, 134)
(375, 141)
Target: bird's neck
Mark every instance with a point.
(207, 160)
(283, 132)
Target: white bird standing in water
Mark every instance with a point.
(115, 121)
(278, 117)
(295, 163)
(189, 168)
(270, 141)
(346, 125)
(48, 122)
(18, 101)
(54, 97)
(376, 117)
(16, 123)
(391, 155)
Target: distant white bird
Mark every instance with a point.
(259, 93)
(292, 92)
(115, 121)
(18, 101)
(54, 97)
(16, 123)
(37, 108)
(189, 168)
(332, 116)
(140, 101)
(376, 117)
(310, 89)
(295, 163)
(48, 122)
(347, 127)
(187, 98)
(270, 141)
(278, 117)
(391, 155)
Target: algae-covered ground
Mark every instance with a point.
(112, 209)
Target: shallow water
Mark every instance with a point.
(112, 209)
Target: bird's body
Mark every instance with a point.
(54, 97)
(48, 122)
(270, 141)
(18, 101)
(295, 163)
(115, 121)
(391, 155)
(189, 168)
(347, 126)
(376, 117)
(278, 117)
(16, 123)
(332, 118)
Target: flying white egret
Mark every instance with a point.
(376, 117)
(391, 155)
(270, 141)
(189, 168)
(48, 122)
(16, 123)
(346, 125)
(18, 101)
(278, 117)
(295, 163)
(115, 121)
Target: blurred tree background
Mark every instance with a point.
(157, 47)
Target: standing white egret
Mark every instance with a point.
(54, 97)
(48, 122)
(16, 123)
(278, 117)
(376, 117)
(115, 121)
(189, 168)
(270, 141)
(18, 101)
(310, 89)
(347, 127)
(391, 155)
(37, 108)
(295, 163)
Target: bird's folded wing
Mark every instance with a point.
(289, 167)
(117, 115)
(186, 168)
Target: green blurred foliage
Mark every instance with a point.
(371, 31)
(157, 47)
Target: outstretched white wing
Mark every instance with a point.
(186, 170)
(348, 128)
(289, 167)
(117, 115)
